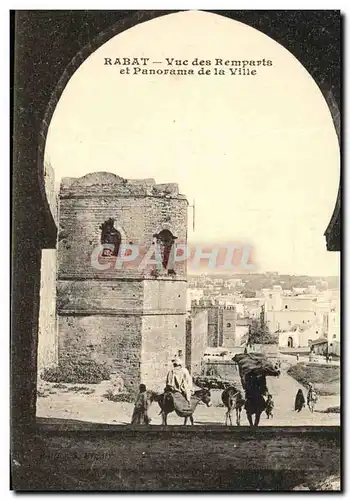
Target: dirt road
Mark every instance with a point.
(95, 408)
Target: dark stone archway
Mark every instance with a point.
(50, 46)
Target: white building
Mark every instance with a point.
(332, 327)
(300, 337)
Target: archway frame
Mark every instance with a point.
(139, 17)
(131, 20)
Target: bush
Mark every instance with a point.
(120, 397)
(259, 334)
(332, 409)
(208, 382)
(77, 372)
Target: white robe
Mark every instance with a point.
(180, 380)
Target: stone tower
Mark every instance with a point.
(214, 338)
(128, 316)
(229, 326)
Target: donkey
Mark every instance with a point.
(175, 401)
(233, 400)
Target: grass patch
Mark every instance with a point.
(120, 397)
(59, 386)
(332, 409)
(326, 378)
(77, 388)
(42, 394)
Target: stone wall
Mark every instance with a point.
(271, 351)
(227, 370)
(47, 332)
(196, 340)
(126, 317)
(100, 296)
(112, 340)
(140, 209)
(163, 335)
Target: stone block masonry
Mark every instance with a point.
(229, 327)
(196, 340)
(128, 318)
(47, 332)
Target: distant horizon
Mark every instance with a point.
(260, 273)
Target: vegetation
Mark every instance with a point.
(119, 397)
(326, 378)
(59, 386)
(211, 382)
(332, 409)
(259, 333)
(77, 372)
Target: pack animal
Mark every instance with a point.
(253, 370)
(174, 401)
(233, 399)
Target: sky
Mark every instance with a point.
(259, 154)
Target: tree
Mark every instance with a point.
(259, 333)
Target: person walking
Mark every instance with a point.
(299, 401)
(269, 406)
(140, 413)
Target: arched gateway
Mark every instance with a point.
(34, 225)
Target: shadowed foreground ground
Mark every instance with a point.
(176, 458)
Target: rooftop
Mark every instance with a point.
(108, 184)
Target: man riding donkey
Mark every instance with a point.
(177, 394)
(179, 380)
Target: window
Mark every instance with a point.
(165, 241)
(334, 335)
(110, 236)
(228, 325)
(286, 307)
(290, 342)
(289, 323)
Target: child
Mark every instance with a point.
(269, 406)
(140, 416)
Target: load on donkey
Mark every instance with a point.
(253, 370)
